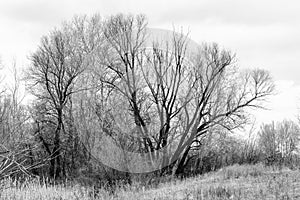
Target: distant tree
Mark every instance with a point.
(279, 142)
(268, 141)
(288, 137)
(13, 114)
(250, 152)
(16, 146)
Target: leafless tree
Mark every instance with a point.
(268, 139)
(16, 146)
(61, 58)
(170, 95)
(288, 137)
(14, 115)
(279, 142)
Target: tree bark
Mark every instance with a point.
(55, 169)
(180, 163)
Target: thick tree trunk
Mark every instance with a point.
(178, 168)
(55, 168)
(163, 135)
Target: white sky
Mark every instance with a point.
(263, 33)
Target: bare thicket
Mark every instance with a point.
(279, 142)
(16, 145)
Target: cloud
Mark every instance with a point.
(32, 11)
(274, 47)
(253, 12)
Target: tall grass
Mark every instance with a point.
(234, 182)
(237, 171)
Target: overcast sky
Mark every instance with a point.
(263, 33)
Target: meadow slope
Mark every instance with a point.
(234, 182)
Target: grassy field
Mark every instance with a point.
(235, 182)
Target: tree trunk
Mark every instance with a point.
(55, 168)
(178, 168)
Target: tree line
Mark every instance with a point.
(113, 100)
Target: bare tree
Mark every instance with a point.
(268, 141)
(171, 95)
(16, 146)
(13, 114)
(60, 59)
(279, 143)
(288, 137)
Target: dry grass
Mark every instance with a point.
(235, 182)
